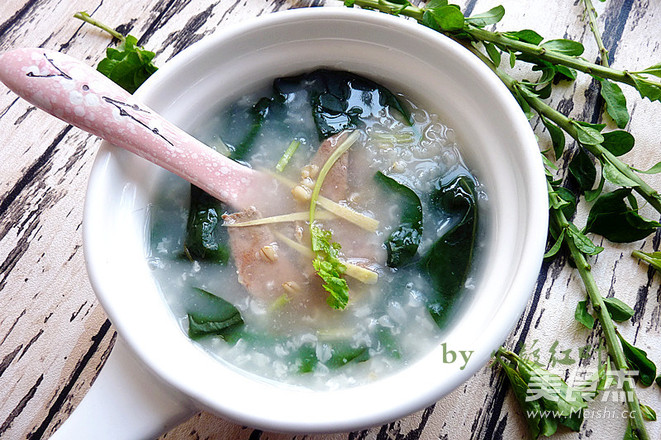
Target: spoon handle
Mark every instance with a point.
(79, 95)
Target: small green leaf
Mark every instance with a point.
(648, 413)
(658, 381)
(492, 16)
(582, 315)
(582, 242)
(583, 170)
(614, 175)
(616, 103)
(652, 258)
(638, 360)
(565, 47)
(512, 59)
(567, 72)
(587, 135)
(618, 142)
(618, 310)
(129, 65)
(647, 89)
(656, 168)
(205, 239)
(402, 244)
(436, 4)
(556, 246)
(569, 199)
(448, 18)
(557, 137)
(493, 53)
(212, 315)
(611, 217)
(653, 70)
(593, 194)
(525, 35)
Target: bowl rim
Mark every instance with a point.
(525, 277)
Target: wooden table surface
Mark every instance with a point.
(54, 336)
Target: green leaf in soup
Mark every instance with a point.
(255, 120)
(563, 46)
(205, 238)
(492, 16)
(388, 342)
(616, 103)
(447, 263)
(618, 142)
(402, 244)
(618, 310)
(306, 359)
(341, 100)
(638, 360)
(613, 218)
(341, 354)
(582, 315)
(583, 170)
(211, 315)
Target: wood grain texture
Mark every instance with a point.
(54, 337)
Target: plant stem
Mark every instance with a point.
(559, 220)
(592, 20)
(568, 125)
(84, 16)
(501, 40)
(610, 335)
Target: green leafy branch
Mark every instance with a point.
(525, 45)
(129, 65)
(613, 215)
(580, 247)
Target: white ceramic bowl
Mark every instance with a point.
(427, 67)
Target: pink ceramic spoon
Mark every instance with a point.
(76, 93)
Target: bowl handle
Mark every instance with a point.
(126, 401)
